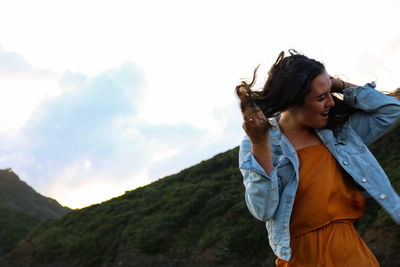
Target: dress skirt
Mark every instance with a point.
(326, 205)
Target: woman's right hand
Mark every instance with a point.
(256, 125)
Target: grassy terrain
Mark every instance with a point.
(14, 226)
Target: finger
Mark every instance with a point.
(252, 115)
(258, 118)
(262, 120)
(250, 110)
(249, 120)
(245, 128)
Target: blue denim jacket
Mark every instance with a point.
(270, 197)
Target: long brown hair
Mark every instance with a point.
(288, 82)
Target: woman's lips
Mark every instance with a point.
(325, 114)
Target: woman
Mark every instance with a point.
(306, 165)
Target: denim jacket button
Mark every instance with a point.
(345, 162)
(382, 196)
(364, 180)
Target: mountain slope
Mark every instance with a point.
(14, 226)
(21, 209)
(18, 196)
(194, 218)
(198, 214)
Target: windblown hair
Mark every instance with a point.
(395, 93)
(287, 85)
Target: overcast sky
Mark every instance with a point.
(100, 97)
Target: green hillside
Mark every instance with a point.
(21, 209)
(197, 217)
(14, 226)
(194, 216)
(18, 196)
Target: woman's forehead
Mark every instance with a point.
(320, 84)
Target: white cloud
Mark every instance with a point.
(22, 88)
(89, 141)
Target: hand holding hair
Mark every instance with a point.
(256, 125)
(339, 85)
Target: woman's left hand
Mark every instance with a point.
(339, 85)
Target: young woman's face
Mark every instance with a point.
(314, 112)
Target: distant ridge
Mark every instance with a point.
(21, 209)
(19, 196)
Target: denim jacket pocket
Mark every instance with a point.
(350, 143)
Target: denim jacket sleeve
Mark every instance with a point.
(378, 114)
(262, 192)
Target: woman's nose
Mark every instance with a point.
(330, 102)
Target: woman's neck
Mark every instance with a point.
(289, 124)
(299, 135)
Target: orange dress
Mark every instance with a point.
(325, 208)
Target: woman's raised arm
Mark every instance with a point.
(378, 112)
(255, 162)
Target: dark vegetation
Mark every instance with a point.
(197, 217)
(14, 226)
(17, 195)
(21, 209)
